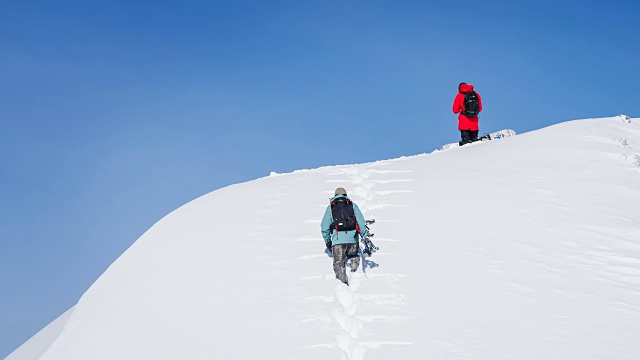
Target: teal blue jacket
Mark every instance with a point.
(342, 237)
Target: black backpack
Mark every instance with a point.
(342, 214)
(471, 104)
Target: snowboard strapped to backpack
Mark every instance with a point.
(471, 104)
(342, 214)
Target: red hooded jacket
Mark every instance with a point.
(465, 123)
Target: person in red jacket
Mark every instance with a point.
(467, 118)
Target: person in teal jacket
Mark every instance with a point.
(343, 244)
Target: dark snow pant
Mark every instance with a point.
(468, 136)
(341, 254)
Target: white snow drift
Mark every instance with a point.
(522, 248)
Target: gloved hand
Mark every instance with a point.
(328, 245)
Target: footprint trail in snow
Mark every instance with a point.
(350, 313)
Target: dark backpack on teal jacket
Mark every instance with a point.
(342, 214)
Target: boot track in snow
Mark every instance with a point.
(361, 184)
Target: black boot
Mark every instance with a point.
(466, 137)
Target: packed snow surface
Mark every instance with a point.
(521, 248)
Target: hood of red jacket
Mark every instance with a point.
(463, 88)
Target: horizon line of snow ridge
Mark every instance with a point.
(549, 254)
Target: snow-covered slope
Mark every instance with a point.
(38, 344)
(523, 248)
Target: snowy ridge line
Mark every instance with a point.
(547, 268)
(37, 345)
(494, 136)
(361, 187)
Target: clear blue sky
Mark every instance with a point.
(114, 113)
